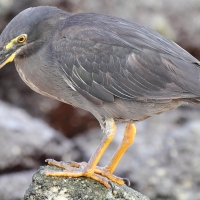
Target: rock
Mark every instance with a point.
(13, 185)
(54, 188)
(26, 140)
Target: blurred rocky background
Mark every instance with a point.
(163, 163)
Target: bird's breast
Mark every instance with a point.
(32, 85)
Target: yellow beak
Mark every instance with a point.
(9, 59)
(9, 52)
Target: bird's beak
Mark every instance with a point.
(7, 56)
(8, 52)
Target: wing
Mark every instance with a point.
(104, 58)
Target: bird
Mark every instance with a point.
(118, 70)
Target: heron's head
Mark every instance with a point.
(28, 32)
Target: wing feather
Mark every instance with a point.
(107, 58)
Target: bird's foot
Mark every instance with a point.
(74, 169)
(101, 171)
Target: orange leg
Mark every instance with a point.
(129, 136)
(89, 169)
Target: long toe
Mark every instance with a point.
(60, 164)
(74, 169)
(103, 172)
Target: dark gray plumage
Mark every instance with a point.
(105, 61)
(114, 68)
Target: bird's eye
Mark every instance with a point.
(21, 39)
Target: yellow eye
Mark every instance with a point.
(21, 39)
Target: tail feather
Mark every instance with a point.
(193, 100)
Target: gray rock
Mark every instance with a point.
(25, 140)
(5, 6)
(13, 185)
(54, 188)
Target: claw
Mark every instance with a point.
(111, 185)
(127, 182)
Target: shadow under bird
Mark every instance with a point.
(116, 69)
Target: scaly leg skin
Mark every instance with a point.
(91, 169)
(88, 170)
(128, 139)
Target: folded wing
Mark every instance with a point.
(105, 58)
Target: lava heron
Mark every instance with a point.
(116, 69)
